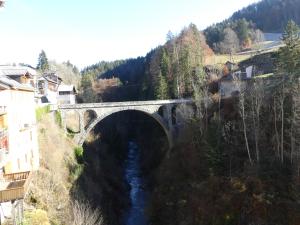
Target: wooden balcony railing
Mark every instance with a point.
(16, 176)
(16, 185)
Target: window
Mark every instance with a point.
(19, 164)
(64, 93)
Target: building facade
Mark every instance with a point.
(19, 153)
(66, 94)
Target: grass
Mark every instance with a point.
(264, 75)
(222, 59)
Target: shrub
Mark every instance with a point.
(75, 171)
(41, 111)
(36, 217)
(84, 214)
(58, 119)
(78, 151)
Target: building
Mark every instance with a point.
(47, 87)
(21, 74)
(233, 84)
(66, 94)
(19, 154)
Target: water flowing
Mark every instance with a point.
(138, 193)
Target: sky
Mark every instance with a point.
(88, 31)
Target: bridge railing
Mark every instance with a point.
(128, 103)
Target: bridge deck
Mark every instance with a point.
(122, 104)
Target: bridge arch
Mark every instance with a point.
(101, 116)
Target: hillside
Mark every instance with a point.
(49, 199)
(251, 25)
(165, 72)
(270, 16)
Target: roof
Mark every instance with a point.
(65, 87)
(17, 71)
(52, 77)
(7, 83)
(230, 77)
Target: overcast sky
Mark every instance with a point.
(88, 31)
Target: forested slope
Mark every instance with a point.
(165, 72)
(270, 15)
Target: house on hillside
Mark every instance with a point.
(19, 154)
(47, 86)
(66, 94)
(233, 84)
(262, 64)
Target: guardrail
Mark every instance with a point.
(17, 186)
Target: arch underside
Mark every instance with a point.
(104, 114)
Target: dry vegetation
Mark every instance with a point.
(49, 189)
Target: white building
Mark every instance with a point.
(66, 94)
(19, 153)
(47, 86)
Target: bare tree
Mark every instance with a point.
(281, 105)
(84, 214)
(256, 103)
(276, 126)
(231, 43)
(241, 88)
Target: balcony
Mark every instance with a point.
(3, 132)
(2, 110)
(14, 186)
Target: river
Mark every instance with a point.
(138, 194)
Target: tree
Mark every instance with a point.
(257, 97)
(242, 30)
(161, 91)
(289, 55)
(242, 108)
(289, 66)
(43, 64)
(231, 43)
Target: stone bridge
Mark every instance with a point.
(165, 112)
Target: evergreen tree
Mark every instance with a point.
(43, 64)
(289, 55)
(242, 29)
(161, 90)
(165, 63)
